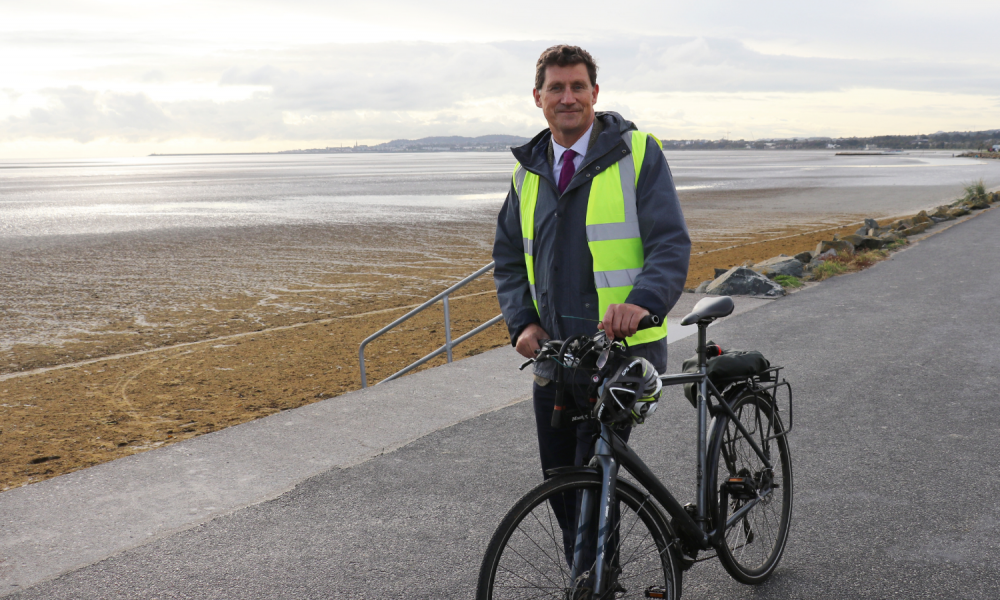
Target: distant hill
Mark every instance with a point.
(456, 141)
(451, 143)
(941, 140)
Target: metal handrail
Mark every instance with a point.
(448, 342)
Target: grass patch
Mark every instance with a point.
(828, 269)
(863, 260)
(892, 247)
(975, 191)
(789, 281)
(840, 264)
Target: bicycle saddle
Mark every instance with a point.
(709, 309)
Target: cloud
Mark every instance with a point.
(411, 89)
(83, 115)
(728, 65)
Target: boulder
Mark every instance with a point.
(922, 227)
(864, 242)
(869, 243)
(958, 211)
(840, 246)
(720, 272)
(890, 237)
(941, 211)
(976, 204)
(703, 286)
(921, 217)
(804, 257)
(995, 197)
(741, 281)
(779, 265)
(853, 239)
(871, 224)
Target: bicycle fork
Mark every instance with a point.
(587, 550)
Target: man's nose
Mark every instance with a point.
(567, 97)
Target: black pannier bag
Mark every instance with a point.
(731, 364)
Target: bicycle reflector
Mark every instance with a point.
(631, 394)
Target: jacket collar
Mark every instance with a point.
(535, 155)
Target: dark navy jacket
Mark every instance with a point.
(564, 273)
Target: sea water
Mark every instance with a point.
(83, 242)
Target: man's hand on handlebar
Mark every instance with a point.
(621, 321)
(528, 342)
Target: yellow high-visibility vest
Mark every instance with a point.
(612, 230)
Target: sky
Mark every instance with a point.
(108, 78)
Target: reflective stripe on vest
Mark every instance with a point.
(612, 230)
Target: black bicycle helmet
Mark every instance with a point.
(630, 394)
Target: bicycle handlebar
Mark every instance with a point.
(549, 348)
(571, 354)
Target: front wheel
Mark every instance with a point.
(529, 555)
(754, 538)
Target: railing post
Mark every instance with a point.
(447, 328)
(361, 360)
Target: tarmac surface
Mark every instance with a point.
(394, 491)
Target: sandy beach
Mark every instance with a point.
(114, 344)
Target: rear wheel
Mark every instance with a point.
(754, 540)
(527, 557)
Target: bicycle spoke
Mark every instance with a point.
(552, 537)
(533, 584)
(753, 545)
(532, 565)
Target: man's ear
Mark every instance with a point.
(597, 88)
(538, 97)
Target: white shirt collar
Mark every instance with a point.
(580, 147)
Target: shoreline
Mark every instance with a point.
(71, 414)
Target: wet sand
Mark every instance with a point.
(199, 363)
(210, 327)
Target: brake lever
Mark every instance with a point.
(540, 351)
(603, 358)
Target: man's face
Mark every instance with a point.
(567, 100)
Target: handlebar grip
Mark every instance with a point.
(648, 321)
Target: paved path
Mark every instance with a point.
(897, 426)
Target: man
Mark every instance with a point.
(591, 231)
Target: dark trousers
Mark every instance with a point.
(569, 446)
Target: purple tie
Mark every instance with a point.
(568, 169)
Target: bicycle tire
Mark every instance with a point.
(753, 546)
(526, 556)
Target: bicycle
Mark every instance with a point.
(614, 540)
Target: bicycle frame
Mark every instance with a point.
(611, 453)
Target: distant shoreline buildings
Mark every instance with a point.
(955, 140)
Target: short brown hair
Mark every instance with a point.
(564, 56)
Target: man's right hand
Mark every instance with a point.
(527, 343)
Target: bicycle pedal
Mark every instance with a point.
(656, 591)
(740, 488)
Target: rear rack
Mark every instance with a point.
(777, 389)
(769, 381)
